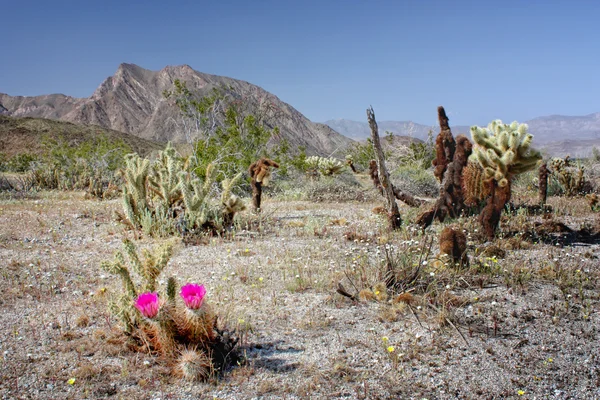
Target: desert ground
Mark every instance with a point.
(521, 321)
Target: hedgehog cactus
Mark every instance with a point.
(183, 329)
(503, 151)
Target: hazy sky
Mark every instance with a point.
(328, 58)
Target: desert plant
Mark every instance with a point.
(350, 163)
(503, 151)
(323, 166)
(452, 157)
(183, 332)
(444, 146)
(453, 243)
(260, 174)
(165, 195)
(475, 190)
(227, 129)
(543, 183)
(571, 177)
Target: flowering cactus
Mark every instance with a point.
(148, 304)
(193, 295)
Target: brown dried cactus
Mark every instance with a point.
(450, 202)
(444, 146)
(453, 243)
(490, 215)
(543, 183)
(260, 174)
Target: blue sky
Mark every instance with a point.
(481, 60)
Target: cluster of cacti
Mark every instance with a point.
(571, 177)
(503, 151)
(260, 175)
(165, 194)
(324, 166)
(182, 331)
(451, 159)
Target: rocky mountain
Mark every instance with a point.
(557, 135)
(132, 101)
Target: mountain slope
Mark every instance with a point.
(131, 101)
(25, 135)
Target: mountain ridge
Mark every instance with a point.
(132, 101)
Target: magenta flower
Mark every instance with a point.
(148, 304)
(193, 295)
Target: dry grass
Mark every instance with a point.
(527, 321)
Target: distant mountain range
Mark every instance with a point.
(556, 134)
(132, 101)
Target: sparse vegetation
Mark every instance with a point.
(320, 293)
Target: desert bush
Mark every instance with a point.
(17, 163)
(227, 130)
(184, 332)
(343, 187)
(416, 180)
(91, 166)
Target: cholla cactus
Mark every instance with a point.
(503, 151)
(324, 166)
(570, 177)
(231, 203)
(165, 195)
(164, 178)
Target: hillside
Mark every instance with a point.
(24, 135)
(132, 101)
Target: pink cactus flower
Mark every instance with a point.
(193, 295)
(148, 304)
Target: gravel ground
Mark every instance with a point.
(528, 332)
